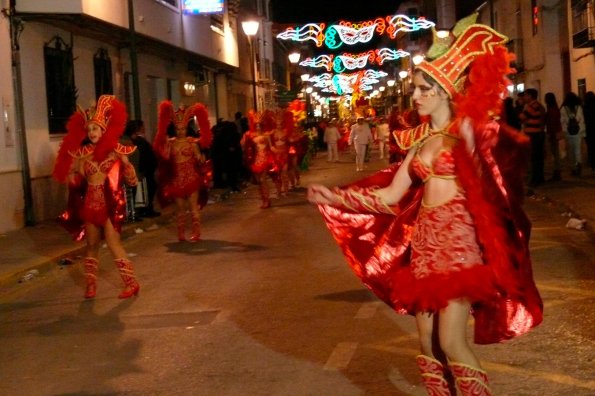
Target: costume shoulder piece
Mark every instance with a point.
(410, 137)
(124, 149)
(82, 151)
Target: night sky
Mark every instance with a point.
(303, 11)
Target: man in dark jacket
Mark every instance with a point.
(147, 164)
(533, 119)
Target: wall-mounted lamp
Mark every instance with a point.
(189, 88)
(403, 74)
(390, 83)
(305, 77)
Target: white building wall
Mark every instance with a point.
(11, 191)
(582, 62)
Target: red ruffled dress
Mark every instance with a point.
(281, 155)
(260, 157)
(473, 246)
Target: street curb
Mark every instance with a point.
(44, 265)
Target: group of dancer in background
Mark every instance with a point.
(274, 148)
(95, 166)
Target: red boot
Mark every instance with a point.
(432, 374)
(91, 270)
(127, 273)
(264, 194)
(195, 228)
(471, 381)
(181, 221)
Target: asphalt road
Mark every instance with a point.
(265, 305)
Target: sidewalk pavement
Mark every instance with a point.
(40, 247)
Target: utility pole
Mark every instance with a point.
(16, 27)
(134, 63)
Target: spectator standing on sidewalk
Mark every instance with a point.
(360, 137)
(132, 214)
(553, 129)
(533, 119)
(443, 235)
(589, 113)
(510, 115)
(331, 137)
(573, 125)
(382, 134)
(147, 164)
(95, 166)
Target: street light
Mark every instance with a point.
(294, 57)
(250, 29)
(308, 92)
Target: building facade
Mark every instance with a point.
(54, 54)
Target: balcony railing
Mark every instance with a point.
(583, 24)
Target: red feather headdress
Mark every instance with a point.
(180, 119)
(109, 114)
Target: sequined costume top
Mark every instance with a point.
(95, 191)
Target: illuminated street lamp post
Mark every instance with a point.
(250, 29)
(308, 92)
(294, 58)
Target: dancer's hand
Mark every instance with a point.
(319, 194)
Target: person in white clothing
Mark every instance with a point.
(331, 137)
(382, 133)
(360, 137)
(572, 109)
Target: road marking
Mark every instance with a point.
(367, 310)
(512, 370)
(546, 376)
(341, 356)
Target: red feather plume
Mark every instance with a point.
(115, 128)
(164, 118)
(202, 115)
(75, 135)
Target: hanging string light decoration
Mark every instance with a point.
(347, 61)
(351, 33)
(310, 31)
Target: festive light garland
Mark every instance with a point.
(347, 82)
(346, 61)
(354, 33)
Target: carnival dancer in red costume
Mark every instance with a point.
(280, 149)
(180, 175)
(95, 166)
(443, 234)
(256, 144)
(298, 146)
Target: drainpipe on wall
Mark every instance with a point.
(16, 27)
(134, 63)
